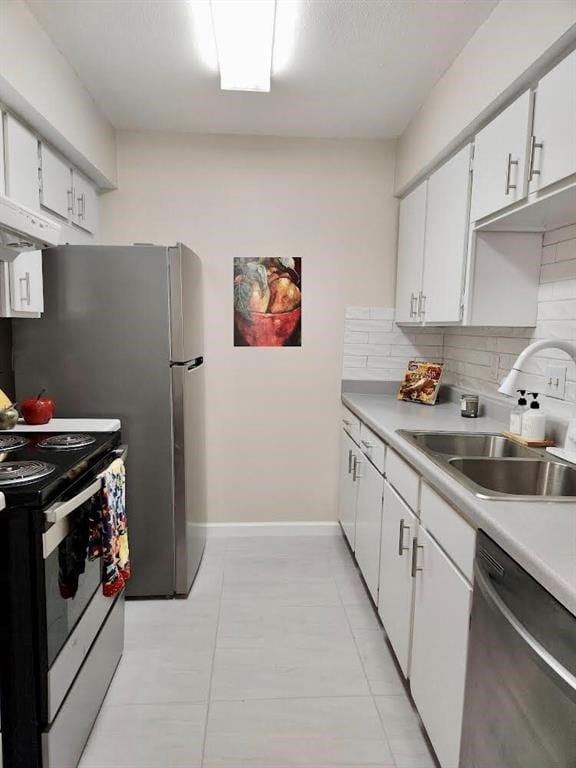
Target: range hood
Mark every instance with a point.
(22, 229)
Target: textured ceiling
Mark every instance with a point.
(360, 68)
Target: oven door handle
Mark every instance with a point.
(58, 513)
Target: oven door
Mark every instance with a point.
(75, 605)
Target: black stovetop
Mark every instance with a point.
(72, 467)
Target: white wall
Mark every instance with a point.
(517, 35)
(272, 414)
(38, 83)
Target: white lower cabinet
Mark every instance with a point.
(395, 603)
(348, 486)
(368, 523)
(442, 601)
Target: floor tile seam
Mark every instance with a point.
(212, 663)
(372, 696)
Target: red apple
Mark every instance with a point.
(37, 411)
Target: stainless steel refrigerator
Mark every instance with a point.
(121, 336)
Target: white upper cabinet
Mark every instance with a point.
(21, 157)
(21, 286)
(500, 155)
(446, 240)
(85, 203)
(56, 183)
(553, 143)
(411, 231)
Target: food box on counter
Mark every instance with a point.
(421, 382)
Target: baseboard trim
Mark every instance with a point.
(234, 530)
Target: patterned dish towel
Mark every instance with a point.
(108, 536)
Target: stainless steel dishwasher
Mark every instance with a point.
(520, 702)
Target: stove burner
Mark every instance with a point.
(67, 442)
(14, 472)
(12, 442)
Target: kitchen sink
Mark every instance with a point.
(462, 444)
(494, 467)
(517, 477)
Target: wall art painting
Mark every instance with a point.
(268, 302)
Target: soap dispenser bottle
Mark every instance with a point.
(534, 421)
(517, 413)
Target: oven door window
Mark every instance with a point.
(71, 582)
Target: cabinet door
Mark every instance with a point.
(411, 228)
(399, 525)
(85, 212)
(2, 169)
(348, 487)
(56, 189)
(439, 647)
(554, 126)
(446, 241)
(21, 156)
(368, 523)
(500, 154)
(26, 287)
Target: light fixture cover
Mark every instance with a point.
(244, 34)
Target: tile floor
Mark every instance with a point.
(276, 659)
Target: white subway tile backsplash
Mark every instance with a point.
(375, 348)
(360, 313)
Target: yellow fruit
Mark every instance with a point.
(5, 401)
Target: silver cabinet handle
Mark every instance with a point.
(421, 304)
(413, 300)
(367, 445)
(356, 473)
(509, 163)
(70, 194)
(415, 566)
(26, 280)
(401, 547)
(81, 206)
(534, 145)
(349, 460)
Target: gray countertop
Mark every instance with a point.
(539, 535)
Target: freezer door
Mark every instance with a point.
(189, 471)
(186, 321)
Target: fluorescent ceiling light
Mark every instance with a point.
(244, 34)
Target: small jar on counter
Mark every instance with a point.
(469, 406)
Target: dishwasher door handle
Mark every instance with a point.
(545, 657)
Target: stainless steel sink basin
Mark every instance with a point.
(494, 467)
(462, 444)
(518, 478)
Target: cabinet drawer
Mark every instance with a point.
(403, 478)
(373, 447)
(451, 531)
(351, 424)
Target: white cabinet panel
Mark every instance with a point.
(348, 487)
(2, 177)
(373, 447)
(446, 240)
(85, 211)
(368, 524)
(21, 156)
(399, 525)
(411, 227)
(439, 648)
(56, 190)
(554, 126)
(403, 478)
(500, 155)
